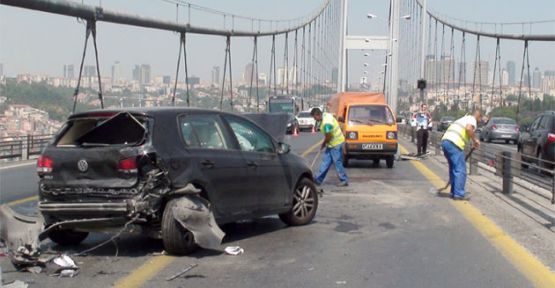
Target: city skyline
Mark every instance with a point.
(132, 45)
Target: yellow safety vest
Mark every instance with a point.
(456, 133)
(337, 135)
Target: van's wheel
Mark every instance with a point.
(376, 162)
(65, 237)
(389, 161)
(305, 204)
(177, 240)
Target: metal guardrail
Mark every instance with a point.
(23, 147)
(506, 164)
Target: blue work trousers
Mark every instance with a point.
(457, 167)
(332, 155)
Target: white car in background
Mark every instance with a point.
(305, 120)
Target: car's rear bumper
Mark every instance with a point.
(54, 212)
(501, 135)
(355, 150)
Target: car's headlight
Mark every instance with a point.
(391, 135)
(288, 124)
(352, 135)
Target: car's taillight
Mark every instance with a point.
(128, 165)
(517, 129)
(44, 164)
(494, 127)
(550, 138)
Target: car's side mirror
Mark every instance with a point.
(284, 148)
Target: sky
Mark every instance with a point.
(41, 43)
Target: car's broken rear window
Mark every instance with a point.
(121, 129)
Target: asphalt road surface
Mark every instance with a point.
(385, 230)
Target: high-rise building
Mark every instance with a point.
(537, 78)
(1, 69)
(89, 71)
(167, 80)
(446, 68)
(216, 75)
(281, 76)
(142, 74)
(461, 73)
(511, 69)
(69, 71)
(430, 68)
(334, 75)
(548, 82)
(481, 72)
(116, 73)
(504, 77)
(294, 75)
(247, 75)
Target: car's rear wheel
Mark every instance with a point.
(305, 204)
(389, 161)
(507, 141)
(65, 237)
(177, 240)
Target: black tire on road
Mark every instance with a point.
(177, 240)
(64, 237)
(389, 161)
(305, 204)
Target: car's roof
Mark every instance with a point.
(153, 111)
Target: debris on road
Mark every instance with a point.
(234, 250)
(20, 233)
(15, 284)
(340, 282)
(195, 214)
(182, 272)
(66, 267)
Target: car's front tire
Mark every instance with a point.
(65, 237)
(177, 240)
(389, 161)
(305, 204)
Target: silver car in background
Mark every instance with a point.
(500, 128)
(306, 121)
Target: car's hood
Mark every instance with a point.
(274, 123)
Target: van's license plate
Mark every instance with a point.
(372, 146)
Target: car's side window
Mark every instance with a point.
(535, 124)
(202, 131)
(544, 125)
(250, 137)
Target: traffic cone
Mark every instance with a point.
(313, 129)
(295, 131)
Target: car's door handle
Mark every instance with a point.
(252, 164)
(207, 163)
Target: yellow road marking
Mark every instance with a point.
(145, 272)
(532, 268)
(311, 148)
(154, 265)
(23, 200)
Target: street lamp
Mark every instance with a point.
(365, 64)
(406, 17)
(371, 16)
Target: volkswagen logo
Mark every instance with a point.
(82, 165)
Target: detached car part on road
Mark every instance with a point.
(174, 173)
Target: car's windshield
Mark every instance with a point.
(121, 129)
(281, 106)
(448, 118)
(304, 115)
(370, 115)
(505, 121)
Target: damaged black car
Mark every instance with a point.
(172, 173)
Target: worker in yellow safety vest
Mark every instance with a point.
(333, 143)
(453, 143)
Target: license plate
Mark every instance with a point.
(372, 146)
(505, 136)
